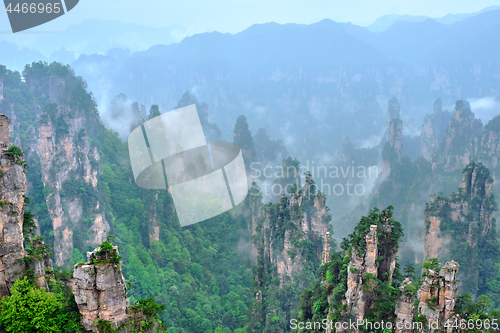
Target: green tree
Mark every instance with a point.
(29, 309)
(409, 270)
(243, 138)
(154, 111)
(494, 286)
(77, 256)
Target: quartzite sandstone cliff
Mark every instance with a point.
(462, 139)
(100, 290)
(437, 295)
(393, 146)
(101, 294)
(297, 223)
(433, 130)
(12, 189)
(463, 218)
(57, 139)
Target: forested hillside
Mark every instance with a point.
(201, 273)
(262, 265)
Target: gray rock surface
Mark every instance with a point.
(100, 291)
(12, 189)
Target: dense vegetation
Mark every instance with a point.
(277, 295)
(328, 294)
(203, 273)
(199, 273)
(482, 254)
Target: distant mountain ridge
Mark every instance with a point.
(385, 22)
(333, 75)
(98, 36)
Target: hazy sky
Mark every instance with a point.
(236, 15)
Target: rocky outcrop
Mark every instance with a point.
(252, 213)
(41, 263)
(467, 215)
(437, 295)
(436, 243)
(101, 294)
(281, 250)
(12, 189)
(404, 308)
(358, 298)
(433, 130)
(489, 152)
(289, 240)
(368, 263)
(243, 138)
(153, 226)
(100, 291)
(327, 248)
(393, 146)
(393, 110)
(68, 162)
(462, 140)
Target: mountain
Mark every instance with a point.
(17, 57)
(81, 189)
(98, 36)
(431, 41)
(325, 75)
(385, 22)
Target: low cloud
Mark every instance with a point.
(485, 108)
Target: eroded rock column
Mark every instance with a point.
(100, 290)
(12, 189)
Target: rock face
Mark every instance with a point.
(404, 309)
(359, 299)
(363, 267)
(153, 226)
(1, 88)
(437, 295)
(393, 110)
(60, 143)
(327, 248)
(100, 290)
(467, 215)
(12, 189)
(314, 222)
(39, 265)
(253, 213)
(462, 139)
(101, 294)
(393, 147)
(289, 241)
(489, 152)
(433, 130)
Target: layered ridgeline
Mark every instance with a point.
(362, 289)
(82, 189)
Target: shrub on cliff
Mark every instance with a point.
(14, 151)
